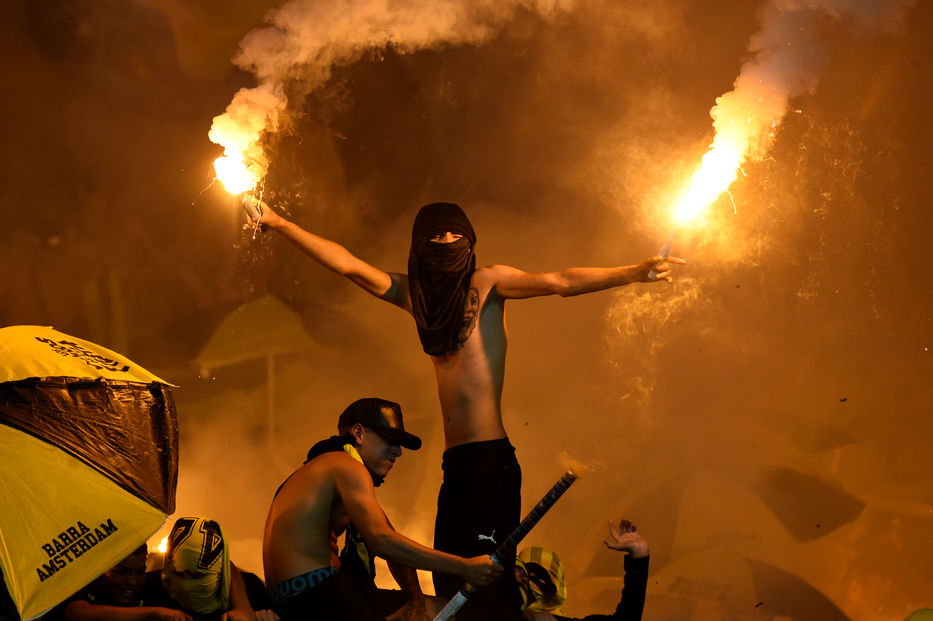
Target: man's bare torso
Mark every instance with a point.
(469, 379)
(304, 521)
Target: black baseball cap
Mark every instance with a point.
(382, 416)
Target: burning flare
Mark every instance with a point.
(718, 170)
(303, 40)
(235, 173)
(744, 120)
(239, 131)
(785, 62)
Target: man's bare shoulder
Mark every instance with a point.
(486, 277)
(340, 468)
(496, 269)
(326, 466)
(333, 459)
(495, 283)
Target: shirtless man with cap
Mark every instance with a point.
(459, 311)
(336, 486)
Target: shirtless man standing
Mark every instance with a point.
(459, 311)
(335, 487)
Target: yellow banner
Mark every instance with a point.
(62, 523)
(38, 351)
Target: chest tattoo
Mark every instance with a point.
(470, 314)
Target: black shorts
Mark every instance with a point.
(332, 599)
(479, 505)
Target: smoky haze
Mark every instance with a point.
(765, 419)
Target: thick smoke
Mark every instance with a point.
(786, 56)
(304, 40)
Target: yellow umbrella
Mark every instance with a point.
(88, 462)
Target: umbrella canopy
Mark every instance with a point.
(257, 329)
(88, 462)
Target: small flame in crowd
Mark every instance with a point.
(163, 545)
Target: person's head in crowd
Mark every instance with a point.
(196, 569)
(378, 433)
(921, 614)
(540, 577)
(121, 584)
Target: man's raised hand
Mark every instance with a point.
(625, 538)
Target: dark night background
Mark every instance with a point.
(766, 419)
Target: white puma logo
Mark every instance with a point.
(488, 537)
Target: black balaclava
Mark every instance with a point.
(439, 275)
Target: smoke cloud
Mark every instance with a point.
(786, 56)
(786, 367)
(304, 40)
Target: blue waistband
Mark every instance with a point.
(303, 582)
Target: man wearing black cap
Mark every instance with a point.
(459, 311)
(334, 487)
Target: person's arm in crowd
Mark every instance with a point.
(407, 580)
(625, 538)
(240, 609)
(83, 610)
(622, 538)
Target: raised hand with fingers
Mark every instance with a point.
(625, 538)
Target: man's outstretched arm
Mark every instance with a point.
(513, 283)
(387, 286)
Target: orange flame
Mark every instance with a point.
(719, 168)
(236, 174)
(239, 131)
(744, 120)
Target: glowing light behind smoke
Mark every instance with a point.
(718, 170)
(235, 174)
(744, 120)
(239, 131)
(304, 39)
(785, 61)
